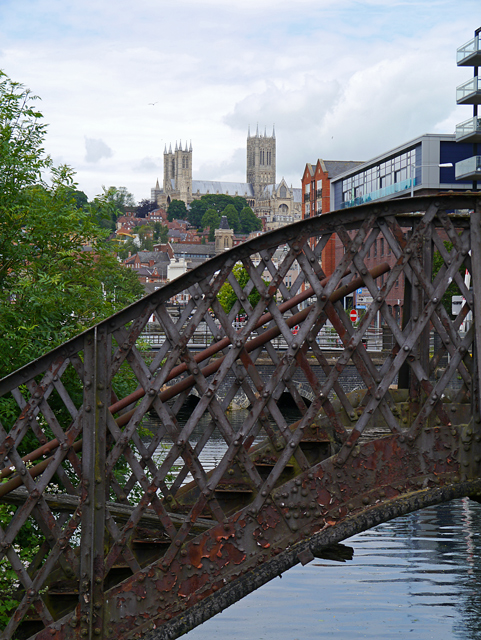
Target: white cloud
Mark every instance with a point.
(96, 150)
(344, 80)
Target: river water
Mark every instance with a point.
(416, 577)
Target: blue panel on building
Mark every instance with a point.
(453, 152)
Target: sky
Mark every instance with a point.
(339, 80)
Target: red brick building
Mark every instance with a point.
(316, 198)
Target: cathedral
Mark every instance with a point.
(276, 203)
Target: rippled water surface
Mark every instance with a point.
(417, 577)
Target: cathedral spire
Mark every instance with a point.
(257, 130)
(165, 148)
(249, 131)
(176, 147)
(170, 147)
(273, 130)
(265, 132)
(190, 148)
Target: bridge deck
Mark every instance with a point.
(137, 535)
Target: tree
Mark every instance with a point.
(211, 219)
(249, 221)
(230, 212)
(144, 207)
(196, 211)
(227, 296)
(57, 278)
(54, 262)
(218, 202)
(120, 198)
(114, 203)
(177, 210)
(80, 198)
(161, 232)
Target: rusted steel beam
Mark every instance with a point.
(257, 342)
(381, 475)
(189, 382)
(218, 346)
(406, 209)
(34, 471)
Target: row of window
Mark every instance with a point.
(265, 157)
(383, 175)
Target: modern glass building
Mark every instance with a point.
(423, 165)
(469, 55)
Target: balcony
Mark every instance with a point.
(469, 92)
(469, 131)
(469, 169)
(469, 55)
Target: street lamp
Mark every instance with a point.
(420, 166)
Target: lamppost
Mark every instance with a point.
(420, 166)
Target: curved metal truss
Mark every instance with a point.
(106, 452)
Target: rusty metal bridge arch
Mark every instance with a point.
(136, 536)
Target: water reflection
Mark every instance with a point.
(214, 449)
(415, 577)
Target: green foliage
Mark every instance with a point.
(211, 219)
(196, 211)
(21, 136)
(161, 232)
(113, 202)
(80, 198)
(58, 276)
(453, 289)
(232, 215)
(177, 211)
(26, 547)
(218, 202)
(144, 207)
(227, 296)
(56, 270)
(249, 221)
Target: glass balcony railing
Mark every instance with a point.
(469, 55)
(469, 169)
(469, 92)
(469, 131)
(379, 193)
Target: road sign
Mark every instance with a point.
(353, 315)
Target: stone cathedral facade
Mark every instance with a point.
(276, 203)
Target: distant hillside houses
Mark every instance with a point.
(172, 259)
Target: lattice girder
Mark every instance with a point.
(136, 529)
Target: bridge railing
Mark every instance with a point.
(104, 505)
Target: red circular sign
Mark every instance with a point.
(353, 315)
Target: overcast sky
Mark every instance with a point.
(340, 79)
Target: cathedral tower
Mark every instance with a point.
(261, 160)
(178, 172)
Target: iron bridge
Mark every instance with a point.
(137, 535)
